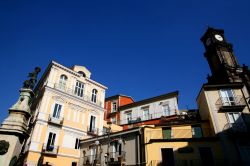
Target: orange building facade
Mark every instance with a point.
(112, 105)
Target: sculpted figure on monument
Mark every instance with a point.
(29, 84)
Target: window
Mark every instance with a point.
(77, 143)
(129, 117)
(82, 73)
(116, 148)
(92, 153)
(79, 89)
(62, 82)
(196, 132)
(166, 132)
(94, 94)
(234, 117)
(113, 120)
(114, 107)
(57, 111)
(227, 97)
(74, 164)
(166, 110)
(51, 141)
(145, 113)
(92, 124)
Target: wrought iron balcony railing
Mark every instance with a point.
(50, 149)
(117, 156)
(92, 159)
(56, 120)
(92, 131)
(230, 103)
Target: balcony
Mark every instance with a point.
(141, 118)
(55, 120)
(70, 91)
(235, 128)
(92, 159)
(117, 157)
(92, 131)
(50, 149)
(231, 104)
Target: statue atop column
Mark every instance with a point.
(30, 84)
(14, 129)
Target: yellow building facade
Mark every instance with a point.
(69, 107)
(181, 144)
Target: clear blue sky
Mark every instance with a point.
(135, 47)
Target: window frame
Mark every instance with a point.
(56, 109)
(112, 107)
(62, 82)
(94, 95)
(79, 89)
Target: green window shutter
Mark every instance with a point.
(166, 133)
(197, 132)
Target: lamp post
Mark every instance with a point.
(96, 154)
(108, 132)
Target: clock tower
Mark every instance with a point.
(222, 62)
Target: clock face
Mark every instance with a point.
(218, 37)
(208, 42)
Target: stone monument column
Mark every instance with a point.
(14, 129)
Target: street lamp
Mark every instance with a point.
(108, 132)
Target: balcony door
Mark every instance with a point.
(57, 111)
(227, 97)
(51, 141)
(92, 123)
(167, 157)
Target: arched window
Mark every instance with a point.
(82, 73)
(94, 95)
(62, 82)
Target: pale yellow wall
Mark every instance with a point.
(180, 131)
(156, 148)
(76, 113)
(55, 161)
(114, 127)
(219, 120)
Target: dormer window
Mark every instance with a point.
(94, 95)
(82, 73)
(62, 82)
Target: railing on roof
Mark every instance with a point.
(146, 117)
